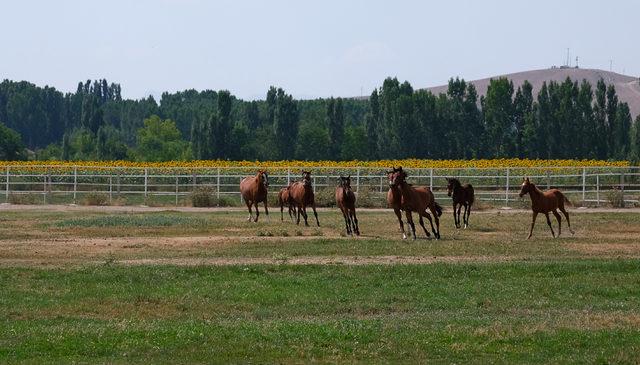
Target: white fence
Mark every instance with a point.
(54, 184)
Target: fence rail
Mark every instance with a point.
(53, 184)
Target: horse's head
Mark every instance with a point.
(526, 187)
(264, 177)
(345, 182)
(452, 184)
(306, 178)
(397, 176)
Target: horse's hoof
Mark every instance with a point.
(404, 236)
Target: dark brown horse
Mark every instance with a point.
(284, 198)
(462, 196)
(303, 196)
(346, 201)
(545, 202)
(417, 200)
(394, 200)
(254, 190)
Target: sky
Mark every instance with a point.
(309, 48)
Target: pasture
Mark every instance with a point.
(133, 286)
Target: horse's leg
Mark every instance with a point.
(559, 219)
(455, 220)
(399, 215)
(266, 210)
(347, 223)
(249, 204)
(436, 232)
(433, 229)
(354, 220)
(304, 214)
(257, 211)
(533, 223)
(282, 211)
(459, 209)
(468, 211)
(292, 211)
(549, 223)
(410, 221)
(299, 211)
(313, 206)
(421, 220)
(566, 215)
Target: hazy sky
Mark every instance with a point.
(311, 49)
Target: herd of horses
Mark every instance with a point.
(401, 196)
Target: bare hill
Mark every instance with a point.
(627, 87)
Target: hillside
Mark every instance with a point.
(627, 87)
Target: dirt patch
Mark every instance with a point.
(613, 249)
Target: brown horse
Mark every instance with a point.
(254, 190)
(462, 196)
(284, 198)
(303, 196)
(346, 201)
(417, 200)
(394, 200)
(545, 202)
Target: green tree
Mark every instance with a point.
(285, 124)
(335, 122)
(313, 143)
(634, 154)
(355, 145)
(110, 144)
(160, 140)
(11, 146)
(600, 120)
(498, 115)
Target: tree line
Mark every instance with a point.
(564, 120)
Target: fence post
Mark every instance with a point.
(506, 194)
(6, 194)
(584, 183)
(44, 192)
(176, 190)
(598, 190)
(288, 176)
(110, 187)
(357, 179)
(431, 179)
(622, 187)
(381, 182)
(75, 184)
(314, 185)
(548, 180)
(146, 178)
(218, 185)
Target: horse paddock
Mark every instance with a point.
(127, 284)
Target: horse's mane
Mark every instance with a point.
(455, 182)
(535, 188)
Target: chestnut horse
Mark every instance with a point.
(346, 201)
(462, 196)
(254, 190)
(303, 196)
(545, 202)
(394, 200)
(417, 200)
(284, 198)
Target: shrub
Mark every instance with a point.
(325, 197)
(371, 198)
(616, 198)
(95, 198)
(203, 197)
(25, 199)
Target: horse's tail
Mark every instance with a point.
(566, 200)
(438, 208)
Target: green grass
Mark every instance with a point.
(134, 220)
(566, 311)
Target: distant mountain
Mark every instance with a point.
(627, 87)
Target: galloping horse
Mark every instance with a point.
(394, 200)
(545, 202)
(346, 201)
(284, 198)
(254, 190)
(462, 195)
(417, 200)
(303, 196)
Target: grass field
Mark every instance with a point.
(184, 287)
